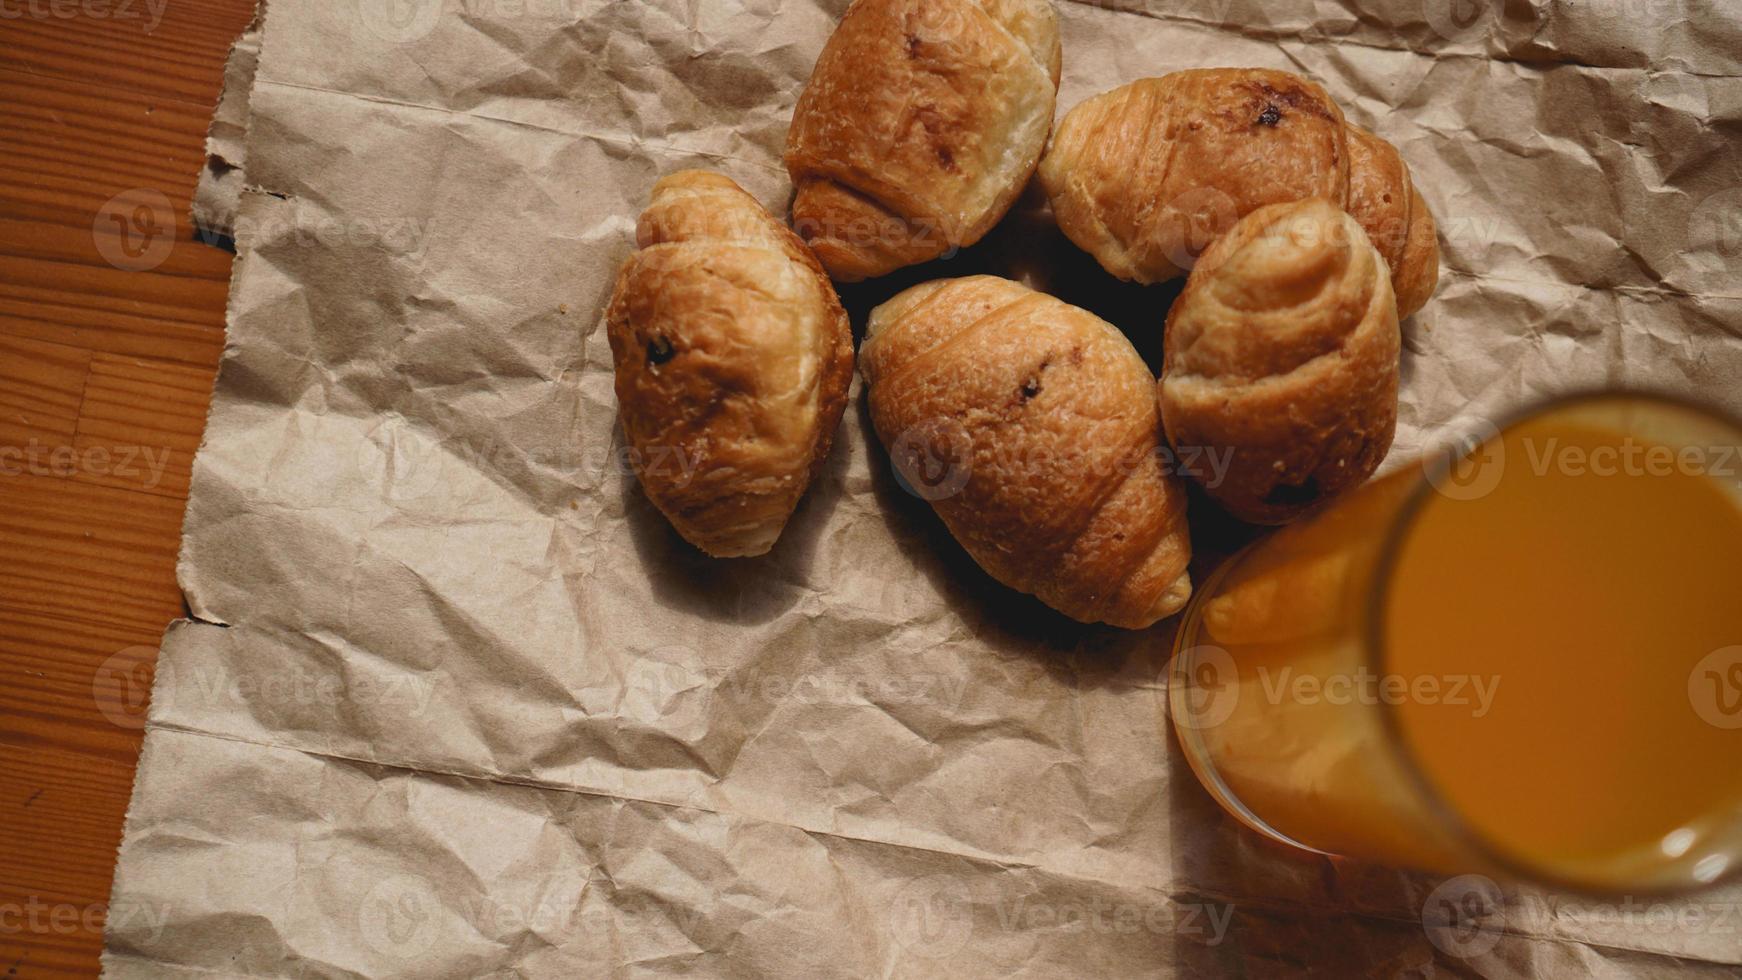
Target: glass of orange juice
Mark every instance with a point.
(1523, 659)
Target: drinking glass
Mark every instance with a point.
(1521, 657)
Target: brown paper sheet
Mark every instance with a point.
(218, 193)
(457, 701)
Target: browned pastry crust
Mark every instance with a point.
(1282, 351)
(920, 125)
(1384, 200)
(1145, 176)
(733, 356)
(1059, 486)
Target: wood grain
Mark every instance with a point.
(171, 50)
(141, 424)
(70, 145)
(41, 386)
(91, 553)
(111, 326)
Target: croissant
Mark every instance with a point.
(920, 125)
(1281, 358)
(732, 356)
(1384, 200)
(1031, 427)
(1145, 176)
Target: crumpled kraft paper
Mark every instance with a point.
(457, 702)
(218, 193)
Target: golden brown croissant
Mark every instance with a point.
(733, 356)
(1145, 176)
(1281, 357)
(1384, 200)
(920, 125)
(1044, 416)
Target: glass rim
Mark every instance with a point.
(1374, 656)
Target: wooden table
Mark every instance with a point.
(105, 375)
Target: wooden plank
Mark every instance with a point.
(93, 104)
(63, 813)
(171, 51)
(76, 686)
(56, 286)
(41, 388)
(98, 246)
(88, 553)
(70, 146)
(140, 424)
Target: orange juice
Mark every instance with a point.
(1536, 670)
